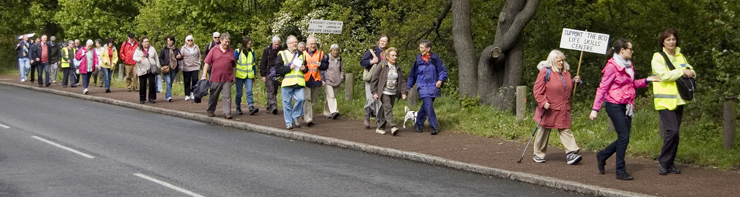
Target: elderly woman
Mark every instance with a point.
(669, 64)
(388, 81)
(88, 61)
(552, 91)
(428, 72)
(190, 66)
(170, 56)
(146, 58)
(617, 88)
(97, 74)
(332, 79)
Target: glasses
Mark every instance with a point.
(190, 40)
(216, 37)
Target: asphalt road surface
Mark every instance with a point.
(58, 146)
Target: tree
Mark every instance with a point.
(500, 65)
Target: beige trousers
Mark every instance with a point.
(330, 105)
(311, 94)
(131, 77)
(543, 136)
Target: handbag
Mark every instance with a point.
(367, 75)
(165, 69)
(153, 68)
(686, 86)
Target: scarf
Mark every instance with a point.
(627, 64)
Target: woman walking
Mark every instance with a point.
(110, 59)
(170, 57)
(332, 79)
(617, 88)
(245, 72)
(88, 61)
(147, 66)
(97, 74)
(429, 72)
(191, 65)
(669, 64)
(552, 91)
(388, 80)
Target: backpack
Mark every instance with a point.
(547, 75)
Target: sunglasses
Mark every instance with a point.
(190, 40)
(216, 37)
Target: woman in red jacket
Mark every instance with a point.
(552, 91)
(617, 87)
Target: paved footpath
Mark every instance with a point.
(456, 149)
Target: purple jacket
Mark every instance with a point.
(616, 86)
(426, 74)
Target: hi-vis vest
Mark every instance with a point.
(295, 77)
(65, 57)
(313, 63)
(665, 93)
(245, 65)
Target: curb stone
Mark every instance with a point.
(524, 177)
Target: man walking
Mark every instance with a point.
(68, 67)
(23, 49)
(55, 57)
(292, 64)
(41, 54)
(222, 63)
(316, 61)
(269, 76)
(127, 55)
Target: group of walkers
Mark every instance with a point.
(554, 86)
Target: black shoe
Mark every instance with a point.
(417, 128)
(674, 170)
(253, 110)
(662, 170)
(141, 102)
(274, 111)
(309, 124)
(434, 131)
(41, 86)
(335, 115)
(239, 111)
(600, 163)
(48, 84)
(625, 176)
(107, 91)
(152, 101)
(64, 86)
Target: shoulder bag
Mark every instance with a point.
(367, 75)
(686, 86)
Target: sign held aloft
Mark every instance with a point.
(324, 26)
(584, 41)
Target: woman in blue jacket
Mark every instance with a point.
(428, 73)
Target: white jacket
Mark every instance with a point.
(143, 64)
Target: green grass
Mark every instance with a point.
(700, 139)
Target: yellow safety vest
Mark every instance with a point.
(245, 65)
(665, 93)
(65, 54)
(295, 77)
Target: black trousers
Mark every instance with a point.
(189, 79)
(143, 79)
(671, 120)
(33, 71)
(622, 124)
(68, 74)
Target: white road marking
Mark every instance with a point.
(63, 147)
(168, 185)
(3, 126)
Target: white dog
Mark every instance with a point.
(410, 115)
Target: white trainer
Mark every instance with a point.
(187, 98)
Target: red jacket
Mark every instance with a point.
(127, 52)
(556, 92)
(617, 86)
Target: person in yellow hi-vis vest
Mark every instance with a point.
(245, 72)
(316, 61)
(68, 69)
(667, 100)
(292, 64)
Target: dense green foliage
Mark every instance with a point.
(708, 30)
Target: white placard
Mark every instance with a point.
(584, 41)
(326, 27)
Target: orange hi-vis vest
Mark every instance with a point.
(313, 63)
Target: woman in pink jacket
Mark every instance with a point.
(617, 87)
(89, 60)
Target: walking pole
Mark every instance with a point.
(578, 72)
(530, 139)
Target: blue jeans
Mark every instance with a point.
(158, 81)
(24, 65)
(288, 94)
(427, 109)
(41, 68)
(247, 84)
(168, 78)
(107, 73)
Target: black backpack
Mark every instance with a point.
(686, 86)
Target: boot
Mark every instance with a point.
(239, 110)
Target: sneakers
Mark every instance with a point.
(23, 80)
(296, 123)
(274, 111)
(394, 130)
(85, 91)
(239, 111)
(289, 126)
(253, 110)
(417, 128)
(434, 131)
(187, 98)
(573, 158)
(335, 115)
(538, 159)
(380, 131)
(169, 99)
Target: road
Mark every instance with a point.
(59, 146)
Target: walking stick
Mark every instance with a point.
(530, 139)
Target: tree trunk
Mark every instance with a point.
(464, 47)
(500, 65)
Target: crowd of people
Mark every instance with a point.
(300, 70)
